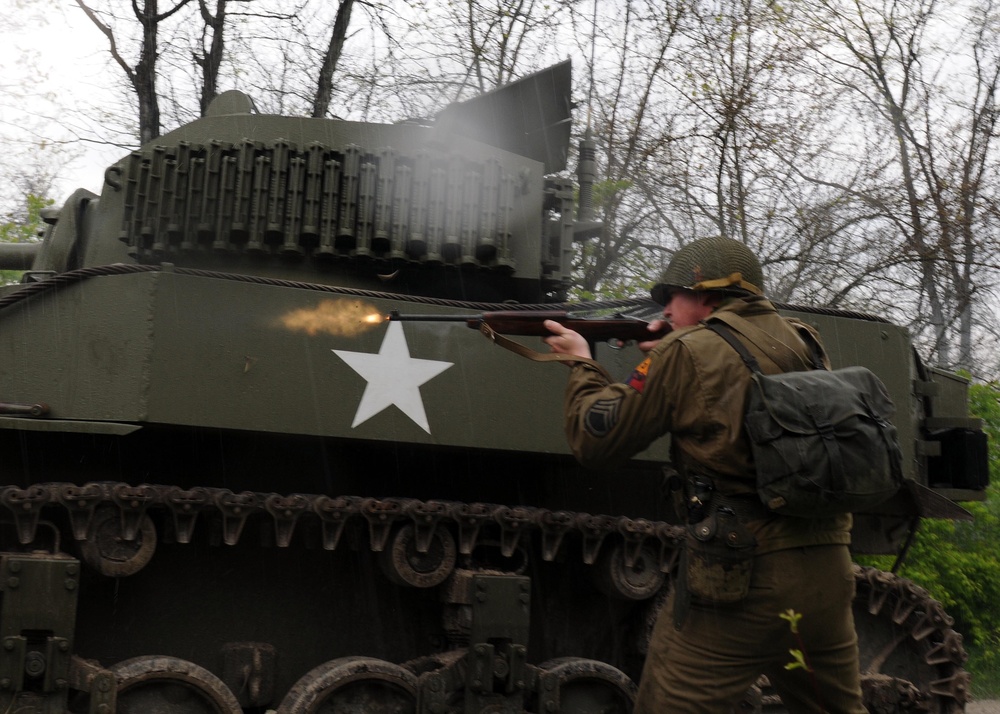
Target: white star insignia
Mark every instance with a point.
(393, 378)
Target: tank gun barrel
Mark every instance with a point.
(18, 256)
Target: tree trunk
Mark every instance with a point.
(324, 83)
(211, 59)
(145, 77)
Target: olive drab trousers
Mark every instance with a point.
(719, 651)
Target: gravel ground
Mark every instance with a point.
(983, 706)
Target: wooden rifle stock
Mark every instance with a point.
(531, 323)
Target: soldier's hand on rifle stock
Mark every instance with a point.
(565, 341)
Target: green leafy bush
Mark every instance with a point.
(22, 226)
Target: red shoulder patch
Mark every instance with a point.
(637, 380)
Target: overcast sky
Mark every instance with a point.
(47, 59)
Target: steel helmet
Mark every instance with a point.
(716, 263)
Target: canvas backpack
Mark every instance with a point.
(822, 440)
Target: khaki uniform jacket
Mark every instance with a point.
(693, 386)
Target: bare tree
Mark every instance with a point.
(212, 46)
(929, 192)
(254, 32)
(631, 124)
(827, 136)
(143, 74)
(331, 58)
(705, 144)
(454, 51)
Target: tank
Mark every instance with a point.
(229, 484)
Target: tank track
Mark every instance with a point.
(132, 503)
(113, 525)
(912, 659)
(916, 634)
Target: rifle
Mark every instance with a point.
(530, 323)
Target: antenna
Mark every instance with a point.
(593, 47)
(586, 169)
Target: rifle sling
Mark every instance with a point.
(518, 348)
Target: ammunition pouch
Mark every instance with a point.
(718, 559)
(716, 562)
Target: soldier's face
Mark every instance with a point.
(686, 307)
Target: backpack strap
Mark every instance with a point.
(816, 414)
(723, 331)
(787, 359)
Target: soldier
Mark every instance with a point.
(753, 586)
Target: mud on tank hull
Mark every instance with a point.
(225, 488)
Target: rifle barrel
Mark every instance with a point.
(530, 323)
(395, 315)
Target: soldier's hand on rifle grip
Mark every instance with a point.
(654, 326)
(565, 341)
